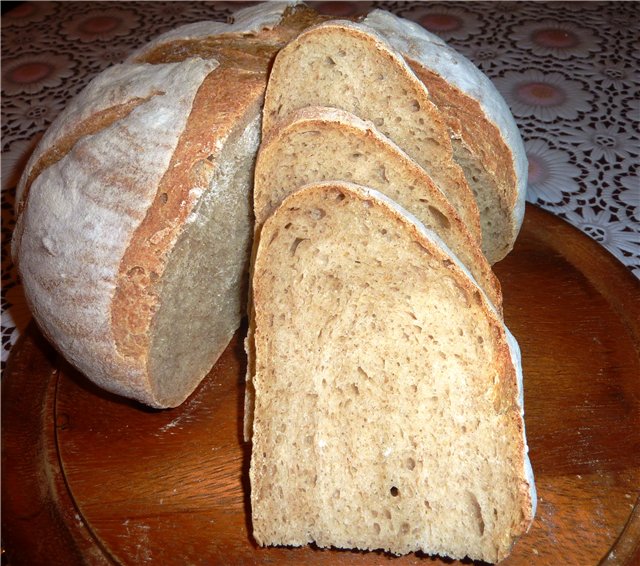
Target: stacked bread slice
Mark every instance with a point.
(384, 394)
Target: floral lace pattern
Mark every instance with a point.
(568, 70)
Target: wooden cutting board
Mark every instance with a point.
(92, 478)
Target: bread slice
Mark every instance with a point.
(349, 66)
(135, 224)
(485, 137)
(388, 408)
(320, 144)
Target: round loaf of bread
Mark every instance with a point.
(135, 221)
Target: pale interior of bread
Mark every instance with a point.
(340, 68)
(497, 231)
(323, 148)
(205, 280)
(377, 421)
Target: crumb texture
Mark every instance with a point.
(348, 66)
(386, 405)
(321, 144)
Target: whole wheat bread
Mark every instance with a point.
(349, 66)
(135, 224)
(388, 395)
(320, 144)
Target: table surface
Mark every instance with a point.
(568, 70)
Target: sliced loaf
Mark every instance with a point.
(349, 66)
(388, 407)
(320, 144)
(134, 229)
(485, 138)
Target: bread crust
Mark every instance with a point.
(131, 156)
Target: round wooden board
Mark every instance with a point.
(91, 478)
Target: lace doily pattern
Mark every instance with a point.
(568, 70)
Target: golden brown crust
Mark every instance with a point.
(468, 122)
(246, 51)
(217, 110)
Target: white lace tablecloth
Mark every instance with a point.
(569, 71)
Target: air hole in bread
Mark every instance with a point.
(340, 197)
(336, 494)
(329, 61)
(317, 213)
(363, 373)
(376, 528)
(164, 198)
(415, 105)
(383, 173)
(295, 245)
(427, 504)
(441, 220)
(383, 231)
(355, 389)
(404, 528)
(476, 511)
(410, 463)
(287, 225)
(356, 155)
(378, 122)
(394, 491)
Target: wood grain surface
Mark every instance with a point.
(92, 478)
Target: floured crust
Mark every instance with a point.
(110, 188)
(80, 217)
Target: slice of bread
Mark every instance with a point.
(485, 138)
(388, 408)
(321, 144)
(349, 66)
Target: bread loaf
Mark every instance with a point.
(388, 394)
(485, 138)
(135, 221)
(349, 66)
(319, 144)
